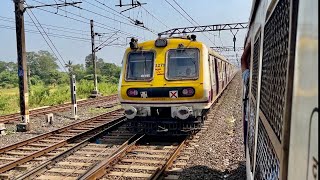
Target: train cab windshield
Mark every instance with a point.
(140, 66)
(182, 64)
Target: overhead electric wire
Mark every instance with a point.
(113, 19)
(155, 17)
(48, 38)
(51, 34)
(193, 19)
(108, 43)
(122, 16)
(188, 19)
(178, 11)
(61, 36)
(132, 20)
(103, 25)
(185, 12)
(46, 41)
(49, 28)
(141, 27)
(106, 40)
(111, 8)
(49, 25)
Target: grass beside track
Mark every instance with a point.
(42, 95)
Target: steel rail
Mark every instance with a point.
(61, 143)
(65, 128)
(100, 169)
(43, 167)
(156, 175)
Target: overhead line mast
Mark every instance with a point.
(95, 91)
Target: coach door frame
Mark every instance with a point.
(216, 74)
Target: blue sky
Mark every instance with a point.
(72, 38)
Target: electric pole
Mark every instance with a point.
(22, 66)
(19, 10)
(95, 92)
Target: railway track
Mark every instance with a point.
(107, 151)
(74, 162)
(58, 108)
(97, 148)
(143, 158)
(20, 157)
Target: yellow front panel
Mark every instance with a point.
(159, 79)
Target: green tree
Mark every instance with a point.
(88, 60)
(8, 66)
(69, 66)
(110, 69)
(8, 79)
(43, 64)
(3, 66)
(79, 71)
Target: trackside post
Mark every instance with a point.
(73, 97)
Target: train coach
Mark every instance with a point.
(167, 85)
(281, 106)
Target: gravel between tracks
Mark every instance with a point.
(219, 153)
(38, 125)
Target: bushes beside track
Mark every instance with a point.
(48, 85)
(41, 95)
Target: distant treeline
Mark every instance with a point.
(43, 69)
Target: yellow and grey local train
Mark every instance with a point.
(168, 84)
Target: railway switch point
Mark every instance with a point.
(23, 127)
(2, 129)
(49, 118)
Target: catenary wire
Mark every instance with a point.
(189, 21)
(47, 42)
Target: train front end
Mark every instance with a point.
(162, 86)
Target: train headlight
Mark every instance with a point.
(188, 92)
(161, 43)
(131, 112)
(183, 112)
(132, 92)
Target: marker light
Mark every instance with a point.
(132, 92)
(188, 92)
